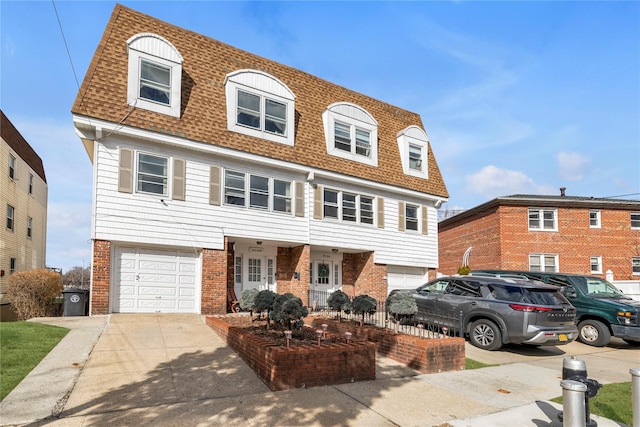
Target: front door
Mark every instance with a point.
(324, 272)
(260, 273)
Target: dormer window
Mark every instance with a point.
(413, 145)
(260, 105)
(351, 133)
(155, 72)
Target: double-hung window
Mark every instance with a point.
(12, 166)
(258, 192)
(594, 219)
(281, 196)
(596, 264)
(263, 193)
(411, 217)
(413, 145)
(347, 207)
(415, 157)
(234, 192)
(366, 210)
(543, 219)
(10, 217)
(29, 227)
(352, 139)
(635, 265)
(152, 174)
(543, 262)
(351, 133)
(261, 113)
(635, 220)
(330, 204)
(30, 183)
(155, 82)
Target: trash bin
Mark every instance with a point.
(75, 302)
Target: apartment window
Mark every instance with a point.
(260, 105)
(411, 217)
(12, 266)
(10, 217)
(415, 157)
(154, 74)
(543, 262)
(413, 145)
(330, 203)
(635, 220)
(12, 166)
(255, 270)
(366, 210)
(234, 188)
(351, 133)
(238, 269)
(635, 265)
(281, 196)
(258, 192)
(152, 174)
(30, 183)
(594, 219)
(348, 207)
(29, 226)
(543, 219)
(596, 264)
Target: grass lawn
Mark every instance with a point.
(613, 401)
(474, 364)
(23, 345)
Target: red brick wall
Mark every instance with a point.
(283, 368)
(214, 281)
(360, 276)
(289, 261)
(501, 239)
(100, 278)
(425, 355)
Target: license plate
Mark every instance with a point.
(562, 337)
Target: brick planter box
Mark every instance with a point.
(283, 368)
(426, 355)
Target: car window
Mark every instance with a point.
(545, 297)
(506, 292)
(464, 287)
(437, 286)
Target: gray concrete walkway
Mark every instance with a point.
(150, 370)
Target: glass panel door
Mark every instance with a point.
(323, 279)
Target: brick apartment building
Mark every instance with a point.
(582, 235)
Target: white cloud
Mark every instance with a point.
(491, 182)
(572, 166)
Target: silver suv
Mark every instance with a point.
(495, 311)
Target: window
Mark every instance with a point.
(351, 133)
(152, 174)
(264, 193)
(635, 220)
(29, 226)
(12, 266)
(10, 216)
(413, 145)
(542, 219)
(281, 196)
(596, 264)
(543, 262)
(30, 183)
(635, 265)
(12, 166)
(234, 188)
(260, 105)
(348, 207)
(594, 219)
(154, 74)
(238, 269)
(411, 217)
(255, 270)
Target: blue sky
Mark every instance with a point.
(516, 97)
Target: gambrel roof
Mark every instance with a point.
(206, 64)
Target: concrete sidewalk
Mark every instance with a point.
(164, 369)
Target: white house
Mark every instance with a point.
(216, 170)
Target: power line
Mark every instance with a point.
(623, 195)
(64, 39)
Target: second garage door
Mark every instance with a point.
(155, 281)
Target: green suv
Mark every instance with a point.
(602, 309)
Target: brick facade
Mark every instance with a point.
(100, 278)
(290, 261)
(215, 271)
(360, 276)
(501, 239)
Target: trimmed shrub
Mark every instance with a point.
(247, 299)
(402, 307)
(33, 292)
(339, 301)
(288, 309)
(264, 302)
(364, 304)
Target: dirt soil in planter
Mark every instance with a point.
(275, 333)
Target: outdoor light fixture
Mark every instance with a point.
(258, 242)
(420, 328)
(324, 330)
(347, 335)
(319, 334)
(287, 335)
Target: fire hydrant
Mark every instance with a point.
(576, 370)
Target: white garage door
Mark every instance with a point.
(399, 277)
(154, 281)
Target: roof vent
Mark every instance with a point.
(562, 190)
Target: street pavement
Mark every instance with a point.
(166, 370)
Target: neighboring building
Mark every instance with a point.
(216, 170)
(23, 197)
(582, 235)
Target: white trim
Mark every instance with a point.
(598, 259)
(598, 218)
(415, 136)
(355, 117)
(541, 219)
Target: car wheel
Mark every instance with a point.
(485, 334)
(632, 343)
(593, 332)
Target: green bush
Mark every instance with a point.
(339, 301)
(364, 304)
(247, 299)
(464, 270)
(264, 302)
(288, 309)
(33, 292)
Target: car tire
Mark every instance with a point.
(485, 334)
(593, 332)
